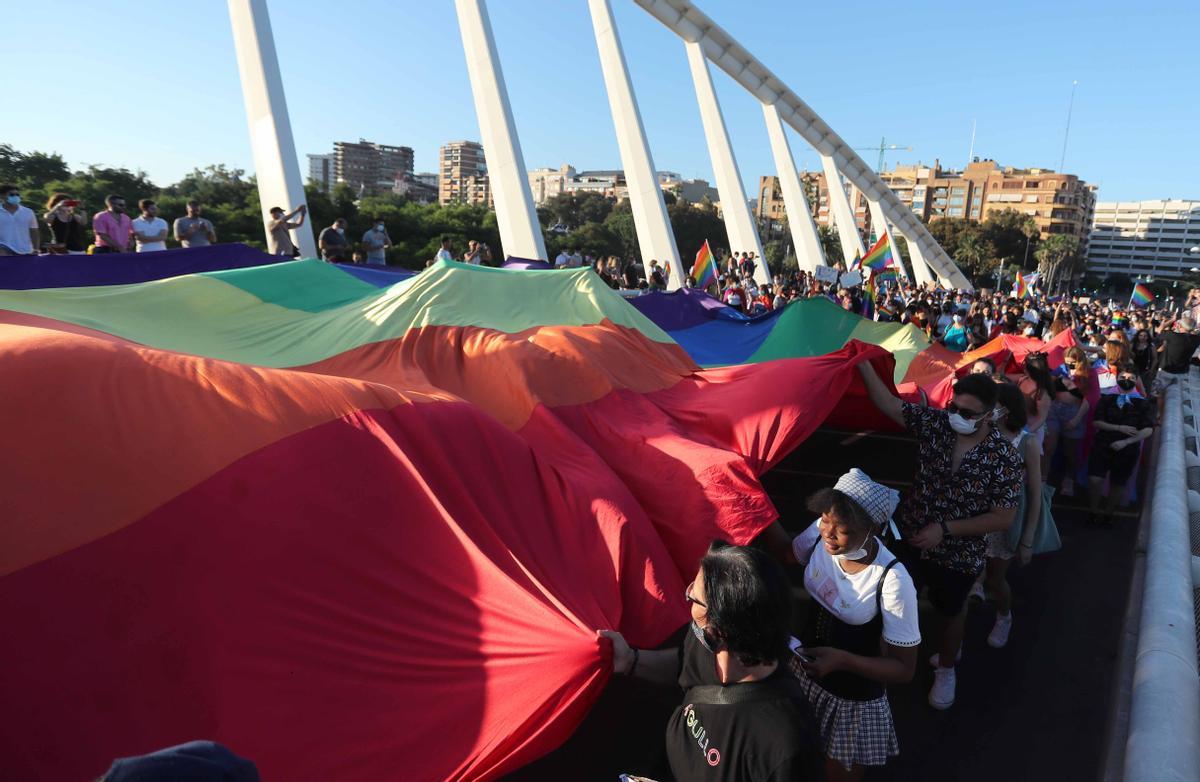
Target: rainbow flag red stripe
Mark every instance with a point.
(879, 257)
(704, 270)
(1020, 289)
(1142, 295)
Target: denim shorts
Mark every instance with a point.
(1060, 415)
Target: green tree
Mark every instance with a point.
(779, 260)
(692, 226)
(620, 223)
(831, 244)
(1059, 261)
(575, 209)
(1013, 236)
(974, 254)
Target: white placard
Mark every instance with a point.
(850, 279)
(825, 274)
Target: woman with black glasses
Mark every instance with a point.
(743, 715)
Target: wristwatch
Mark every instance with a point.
(945, 528)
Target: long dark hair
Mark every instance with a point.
(1039, 371)
(749, 602)
(1009, 397)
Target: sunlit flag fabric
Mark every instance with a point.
(1142, 296)
(704, 270)
(879, 257)
(356, 530)
(715, 335)
(1020, 287)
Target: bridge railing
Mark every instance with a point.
(1163, 739)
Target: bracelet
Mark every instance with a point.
(633, 667)
(1027, 545)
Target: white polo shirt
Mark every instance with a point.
(150, 227)
(15, 228)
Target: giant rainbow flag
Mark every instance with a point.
(716, 335)
(361, 529)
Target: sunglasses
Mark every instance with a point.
(970, 415)
(687, 595)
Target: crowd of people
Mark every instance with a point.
(758, 702)
(69, 230)
(761, 704)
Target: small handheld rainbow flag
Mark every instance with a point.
(704, 270)
(1020, 289)
(879, 257)
(1142, 296)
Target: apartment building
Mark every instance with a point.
(369, 167)
(462, 174)
(1145, 238)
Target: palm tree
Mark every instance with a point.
(1059, 260)
(971, 253)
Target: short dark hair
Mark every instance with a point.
(1009, 396)
(842, 507)
(275, 209)
(193, 202)
(6, 188)
(979, 386)
(445, 239)
(145, 202)
(108, 199)
(749, 602)
(986, 360)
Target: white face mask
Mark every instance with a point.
(962, 425)
(856, 554)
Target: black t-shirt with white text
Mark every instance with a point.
(772, 740)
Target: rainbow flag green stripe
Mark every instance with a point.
(299, 313)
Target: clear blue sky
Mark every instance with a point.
(159, 90)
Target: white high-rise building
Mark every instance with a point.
(320, 170)
(1142, 238)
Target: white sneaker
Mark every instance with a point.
(976, 592)
(941, 694)
(936, 659)
(998, 638)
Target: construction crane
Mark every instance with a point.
(882, 149)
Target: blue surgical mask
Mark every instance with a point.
(14, 199)
(379, 227)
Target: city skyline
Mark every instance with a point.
(1012, 83)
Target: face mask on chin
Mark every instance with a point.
(858, 553)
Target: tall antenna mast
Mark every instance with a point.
(1066, 133)
(971, 151)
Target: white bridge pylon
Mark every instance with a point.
(278, 168)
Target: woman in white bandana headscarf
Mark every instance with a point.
(861, 632)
